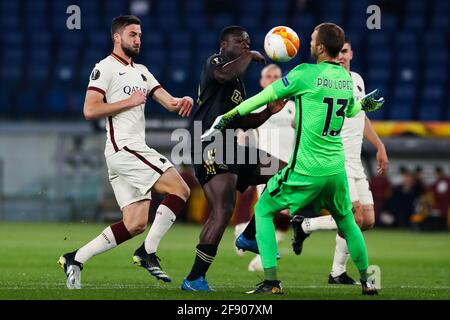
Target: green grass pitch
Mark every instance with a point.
(413, 266)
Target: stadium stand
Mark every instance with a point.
(45, 68)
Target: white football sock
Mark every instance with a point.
(341, 256)
(255, 264)
(319, 223)
(102, 243)
(164, 219)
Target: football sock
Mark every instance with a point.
(319, 223)
(270, 274)
(341, 256)
(250, 230)
(204, 256)
(267, 242)
(355, 240)
(166, 215)
(110, 237)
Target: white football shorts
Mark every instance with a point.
(133, 171)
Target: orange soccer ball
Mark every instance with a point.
(281, 44)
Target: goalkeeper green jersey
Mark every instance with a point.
(324, 97)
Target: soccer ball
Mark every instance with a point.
(281, 44)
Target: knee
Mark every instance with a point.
(368, 224)
(182, 191)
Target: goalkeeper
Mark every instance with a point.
(316, 173)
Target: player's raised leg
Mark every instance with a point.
(265, 210)
(177, 192)
(135, 217)
(336, 199)
(338, 274)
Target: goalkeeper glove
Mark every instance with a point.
(372, 101)
(220, 124)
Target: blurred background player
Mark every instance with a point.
(276, 136)
(353, 131)
(312, 176)
(221, 88)
(118, 90)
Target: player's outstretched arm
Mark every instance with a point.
(255, 120)
(371, 135)
(95, 107)
(235, 68)
(230, 118)
(181, 105)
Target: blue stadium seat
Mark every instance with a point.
(433, 93)
(437, 57)
(55, 102)
(378, 40)
(195, 23)
(400, 111)
(74, 102)
(429, 111)
(414, 22)
(37, 73)
(439, 22)
(10, 22)
(378, 74)
(180, 57)
(435, 74)
(180, 41)
(406, 73)
(11, 72)
(14, 38)
(379, 57)
(64, 73)
(380, 114)
(27, 104)
(155, 56)
(405, 39)
(405, 93)
(220, 21)
(153, 40)
(156, 70)
(389, 22)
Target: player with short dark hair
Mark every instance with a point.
(316, 172)
(221, 89)
(353, 132)
(117, 91)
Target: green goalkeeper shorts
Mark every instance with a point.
(292, 190)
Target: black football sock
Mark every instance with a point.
(204, 256)
(250, 230)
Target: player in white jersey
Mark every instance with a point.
(353, 132)
(276, 136)
(118, 90)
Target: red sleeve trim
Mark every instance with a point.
(98, 90)
(153, 90)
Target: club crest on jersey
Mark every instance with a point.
(216, 60)
(95, 74)
(285, 81)
(143, 77)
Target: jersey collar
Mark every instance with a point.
(121, 60)
(331, 62)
